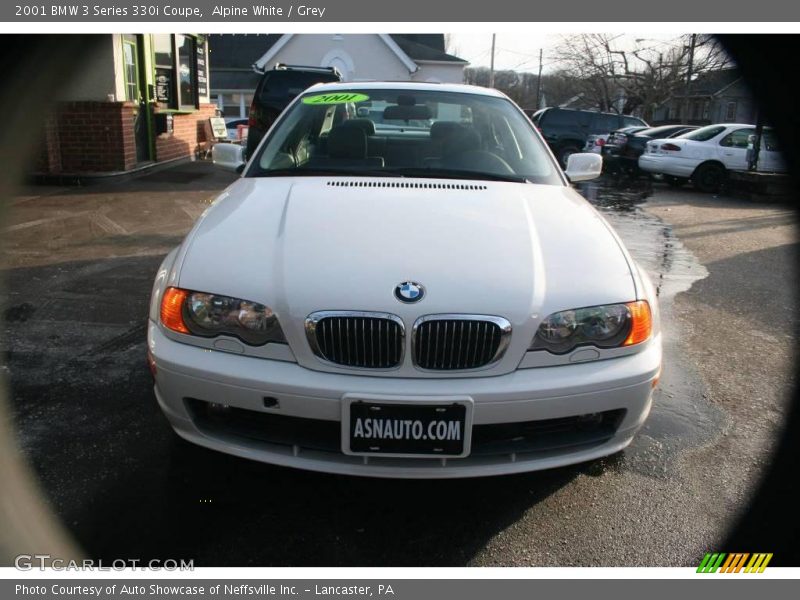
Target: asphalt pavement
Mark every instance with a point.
(78, 267)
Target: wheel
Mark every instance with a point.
(675, 182)
(564, 153)
(709, 177)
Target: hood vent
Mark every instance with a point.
(410, 185)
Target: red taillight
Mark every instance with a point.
(252, 119)
(599, 142)
(670, 147)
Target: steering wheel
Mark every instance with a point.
(479, 160)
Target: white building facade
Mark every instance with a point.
(358, 57)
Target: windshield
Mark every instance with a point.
(282, 86)
(412, 133)
(655, 132)
(703, 134)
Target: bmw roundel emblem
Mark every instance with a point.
(409, 291)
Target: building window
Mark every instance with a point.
(234, 105)
(131, 68)
(176, 58)
(164, 59)
(187, 71)
(730, 112)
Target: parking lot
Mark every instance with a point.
(78, 267)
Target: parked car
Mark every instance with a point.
(232, 125)
(277, 88)
(623, 149)
(705, 155)
(596, 142)
(349, 306)
(566, 130)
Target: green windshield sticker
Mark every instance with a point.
(335, 98)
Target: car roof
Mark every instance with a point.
(586, 110)
(405, 85)
(731, 125)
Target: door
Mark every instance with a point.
(769, 157)
(733, 148)
(131, 59)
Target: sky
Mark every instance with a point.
(521, 51)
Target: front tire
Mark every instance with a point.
(564, 153)
(709, 177)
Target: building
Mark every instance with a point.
(238, 60)
(714, 97)
(144, 99)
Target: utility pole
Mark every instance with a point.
(491, 68)
(689, 77)
(539, 82)
(753, 153)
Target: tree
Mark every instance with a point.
(557, 87)
(449, 45)
(616, 76)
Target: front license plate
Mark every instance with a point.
(423, 429)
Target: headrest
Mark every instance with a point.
(367, 126)
(463, 140)
(407, 113)
(443, 129)
(347, 142)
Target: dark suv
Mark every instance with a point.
(276, 90)
(566, 130)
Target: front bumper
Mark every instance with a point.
(188, 376)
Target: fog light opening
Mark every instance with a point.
(216, 408)
(590, 421)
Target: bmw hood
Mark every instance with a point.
(301, 245)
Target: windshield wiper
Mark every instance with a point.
(454, 174)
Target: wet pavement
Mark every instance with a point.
(79, 265)
(681, 417)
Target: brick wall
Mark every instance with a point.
(87, 137)
(189, 132)
(84, 137)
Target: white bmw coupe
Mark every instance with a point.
(403, 283)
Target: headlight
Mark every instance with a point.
(210, 315)
(607, 326)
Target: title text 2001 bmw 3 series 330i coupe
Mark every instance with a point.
(403, 284)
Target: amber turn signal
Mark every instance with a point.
(172, 309)
(642, 323)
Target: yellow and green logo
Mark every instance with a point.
(721, 562)
(338, 98)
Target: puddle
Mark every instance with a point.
(650, 241)
(681, 417)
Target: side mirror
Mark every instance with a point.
(229, 157)
(583, 166)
